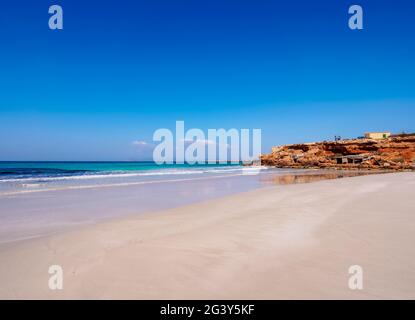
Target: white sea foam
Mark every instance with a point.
(121, 184)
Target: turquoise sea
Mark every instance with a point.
(33, 176)
(16, 169)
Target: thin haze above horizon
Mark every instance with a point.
(119, 70)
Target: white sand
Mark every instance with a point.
(294, 241)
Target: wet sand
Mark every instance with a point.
(279, 242)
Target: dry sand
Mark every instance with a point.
(283, 242)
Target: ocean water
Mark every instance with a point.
(49, 169)
(16, 177)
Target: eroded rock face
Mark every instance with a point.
(394, 153)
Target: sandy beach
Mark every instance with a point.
(279, 242)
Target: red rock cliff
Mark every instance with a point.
(396, 153)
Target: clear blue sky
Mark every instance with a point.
(121, 69)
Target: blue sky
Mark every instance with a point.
(119, 70)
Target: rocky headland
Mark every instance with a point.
(394, 153)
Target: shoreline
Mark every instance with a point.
(33, 213)
(292, 241)
(281, 183)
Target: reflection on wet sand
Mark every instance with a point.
(294, 178)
